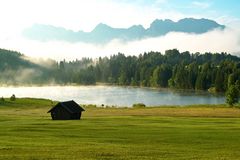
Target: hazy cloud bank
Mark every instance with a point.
(20, 76)
(227, 40)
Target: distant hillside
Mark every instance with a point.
(16, 69)
(10, 60)
(103, 33)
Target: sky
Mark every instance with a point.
(84, 15)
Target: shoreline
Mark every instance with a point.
(105, 106)
(113, 85)
(208, 111)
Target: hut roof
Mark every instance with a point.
(70, 106)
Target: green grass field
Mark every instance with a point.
(200, 132)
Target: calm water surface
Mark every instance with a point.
(113, 95)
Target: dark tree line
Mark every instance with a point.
(209, 71)
(218, 72)
(172, 69)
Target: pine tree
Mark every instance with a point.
(232, 95)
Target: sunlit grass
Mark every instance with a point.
(27, 132)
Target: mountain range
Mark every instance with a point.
(103, 33)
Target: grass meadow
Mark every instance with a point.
(169, 133)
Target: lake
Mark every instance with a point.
(114, 95)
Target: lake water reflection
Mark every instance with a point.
(114, 95)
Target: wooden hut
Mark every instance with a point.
(66, 111)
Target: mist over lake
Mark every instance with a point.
(114, 95)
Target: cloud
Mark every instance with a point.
(85, 15)
(227, 40)
(73, 14)
(202, 5)
(213, 41)
(20, 76)
(161, 1)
